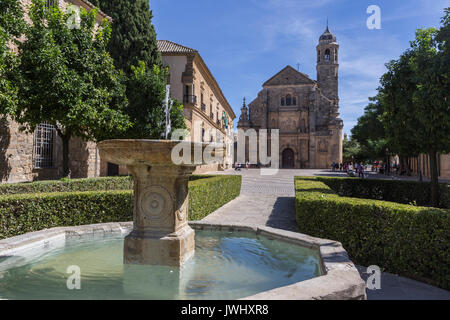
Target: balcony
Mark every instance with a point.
(190, 99)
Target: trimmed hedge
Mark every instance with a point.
(23, 213)
(407, 240)
(407, 192)
(69, 185)
(205, 198)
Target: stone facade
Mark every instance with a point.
(17, 157)
(17, 149)
(205, 106)
(424, 162)
(305, 111)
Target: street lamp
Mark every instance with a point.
(388, 165)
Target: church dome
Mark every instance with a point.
(327, 37)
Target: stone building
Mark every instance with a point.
(209, 116)
(38, 156)
(443, 161)
(305, 111)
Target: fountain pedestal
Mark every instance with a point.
(161, 234)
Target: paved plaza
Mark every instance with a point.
(270, 201)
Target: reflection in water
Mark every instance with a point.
(225, 266)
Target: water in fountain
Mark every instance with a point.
(226, 265)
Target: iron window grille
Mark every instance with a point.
(44, 137)
(52, 3)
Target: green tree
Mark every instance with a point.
(351, 150)
(66, 78)
(11, 28)
(146, 90)
(369, 132)
(134, 49)
(133, 37)
(414, 94)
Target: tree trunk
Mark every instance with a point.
(65, 137)
(434, 179)
(419, 168)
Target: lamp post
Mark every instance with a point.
(388, 165)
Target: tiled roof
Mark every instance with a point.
(166, 46)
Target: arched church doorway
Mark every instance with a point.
(288, 159)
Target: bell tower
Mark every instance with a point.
(327, 65)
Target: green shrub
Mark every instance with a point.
(22, 213)
(69, 185)
(208, 194)
(408, 240)
(406, 192)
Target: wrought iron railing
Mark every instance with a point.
(190, 99)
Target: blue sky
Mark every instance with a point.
(245, 42)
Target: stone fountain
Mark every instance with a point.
(161, 235)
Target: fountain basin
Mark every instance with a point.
(302, 267)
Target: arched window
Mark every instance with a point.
(288, 100)
(327, 55)
(282, 101)
(335, 55)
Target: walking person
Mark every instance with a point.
(361, 171)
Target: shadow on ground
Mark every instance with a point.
(282, 215)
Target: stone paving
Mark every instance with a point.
(270, 201)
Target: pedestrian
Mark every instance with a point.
(361, 171)
(247, 164)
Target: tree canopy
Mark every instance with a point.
(67, 79)
(11, 27)
(134, 49)
(369, 132)
(133, 37)
(411, 113)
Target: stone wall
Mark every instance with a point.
(444, 163)
(16, 157)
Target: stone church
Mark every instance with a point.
(305, 111)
